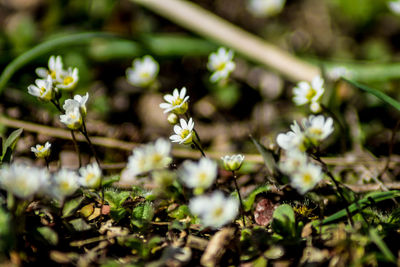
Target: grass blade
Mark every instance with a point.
(382, 96)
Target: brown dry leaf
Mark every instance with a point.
(264, 212)
(217, 247)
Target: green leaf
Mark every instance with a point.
(116, 198)
(284, 222)
(249, 201)
(373, 234)
(12, 139)
(369, 199)
(79, 225)
(180, 213)
(379, 94)
(118, 214)
(142, 214)
(267, 155)
(71, 206)
(49, 234)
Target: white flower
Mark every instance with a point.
(294, 160)
(43, 89)
(337, 72)
(90, 176)
(67, 80)
(221, 64)
(72, 118)
(78, 102)
(177, 102)
(214, 210)
(184, 133)
(55, 68)
(42, 151)
(316, 128)
(22, 180)
(265, 8)
(65, 184)
(306, 93)
(144, 71)
(199, 175)
(394, 6)
(233, 163)
(294, 139)
(150, 157)
(306, 177)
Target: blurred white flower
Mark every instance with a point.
(55, 67)
(67, 80)
(306, 177)
(153, 156)
(199, 176)
(233, 163)
(394, 6)
(215, 210)
(306, 93)
(90, 176)
(265, 8)
(23, 181)
(65, 183)
(221, 64)
(173, 118)
(294, 160)
(143, 72)
(184, 133)
(78, 102)
(72, 118)
(177, 102)
(43, 89)
(41, 151)
(337, 72)
(316, 128)
(294, 139)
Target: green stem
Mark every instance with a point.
(199, 148)
(240, 198)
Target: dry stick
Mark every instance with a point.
(240, 199)
(209, 25)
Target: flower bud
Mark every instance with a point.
(173, 118)
(233, 163)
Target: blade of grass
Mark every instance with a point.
(362, 203)
(46, 47)
(382, 96)
(373, 234)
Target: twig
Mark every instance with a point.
(205, 23)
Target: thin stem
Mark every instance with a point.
(47, 163)
(78, 151)
(199, 148)
(240, 198)
(339, 189)
(83, 130)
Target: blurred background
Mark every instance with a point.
(361, 37)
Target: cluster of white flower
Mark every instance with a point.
(146, 158)
(221, 64)
(143, 72)
(26, 181)
(53, 79)
(309, 93)
(304, 175)
(265, 8)
(75, 111)
(315, 129)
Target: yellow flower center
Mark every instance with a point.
(315, 131)
(156, 158)
(68, 80)
(307, 178)
(89, 176)
(42, 90)
(40, 148)
(64, 185)
(220, 66)
(144, 75)
(177, 101)
(53, 74)
(310, 94)
(218, 212)
(184, 133)
(202, 177)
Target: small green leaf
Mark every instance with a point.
(79, 225)
(379, 94)
(10, 143)
(142, 214)
(180, 213)
(284, 222)
(267, 155)
(49, 234)
(116, 198)
(71, 206)
(249, 201)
